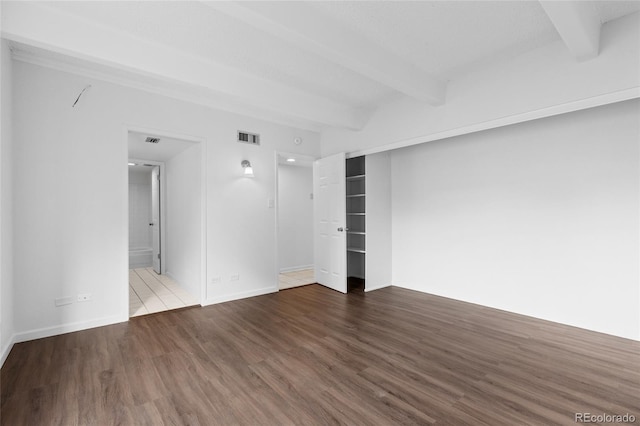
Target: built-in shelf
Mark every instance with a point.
(356, 177)
(356, 205)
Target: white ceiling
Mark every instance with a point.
(436, 36)
(295, 160)
(309, 64)
(164, 150)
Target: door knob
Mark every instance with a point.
(340, 229)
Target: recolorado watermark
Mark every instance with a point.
(604, 418)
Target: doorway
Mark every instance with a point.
(145, 225)
(166, 222)
(294, 216)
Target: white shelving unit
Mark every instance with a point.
(356, 218)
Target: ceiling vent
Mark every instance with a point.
(149, 139)
(250, 138)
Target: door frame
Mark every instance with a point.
(163, 207)
(126, 129)
(277, 154)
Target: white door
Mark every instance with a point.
(155, 217)
(329, 187)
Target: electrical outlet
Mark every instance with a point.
(61, 301)
(235, 277)
(215, 280)
(83, 297)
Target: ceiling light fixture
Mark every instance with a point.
(132, 164)
(248, 170)
(291, 160)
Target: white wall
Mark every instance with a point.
(6, 205)
(295, 217)
(543, 81)
(539, 218)
(378, 221)
(82, 244)
(139, 208)
(183, 219)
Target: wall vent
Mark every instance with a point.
(149, 139)
(246, 137)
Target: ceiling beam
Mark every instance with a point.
(578, 24)
(158, 86)
(300, 24)
(44, 27)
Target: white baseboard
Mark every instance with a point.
(241, 295)
(378, 287)
(511, 310)
(6, 350)
(136, 265)
(65, 328)
(295, 268)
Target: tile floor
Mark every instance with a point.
(150, 293)
(296, 278)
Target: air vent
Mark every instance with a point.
(246, 137)
(149, 139)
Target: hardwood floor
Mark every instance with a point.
(312, 356)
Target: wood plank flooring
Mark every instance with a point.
(312, 356)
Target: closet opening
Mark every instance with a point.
(356, 223)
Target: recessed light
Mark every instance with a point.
(132, 164)
(291, 160)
